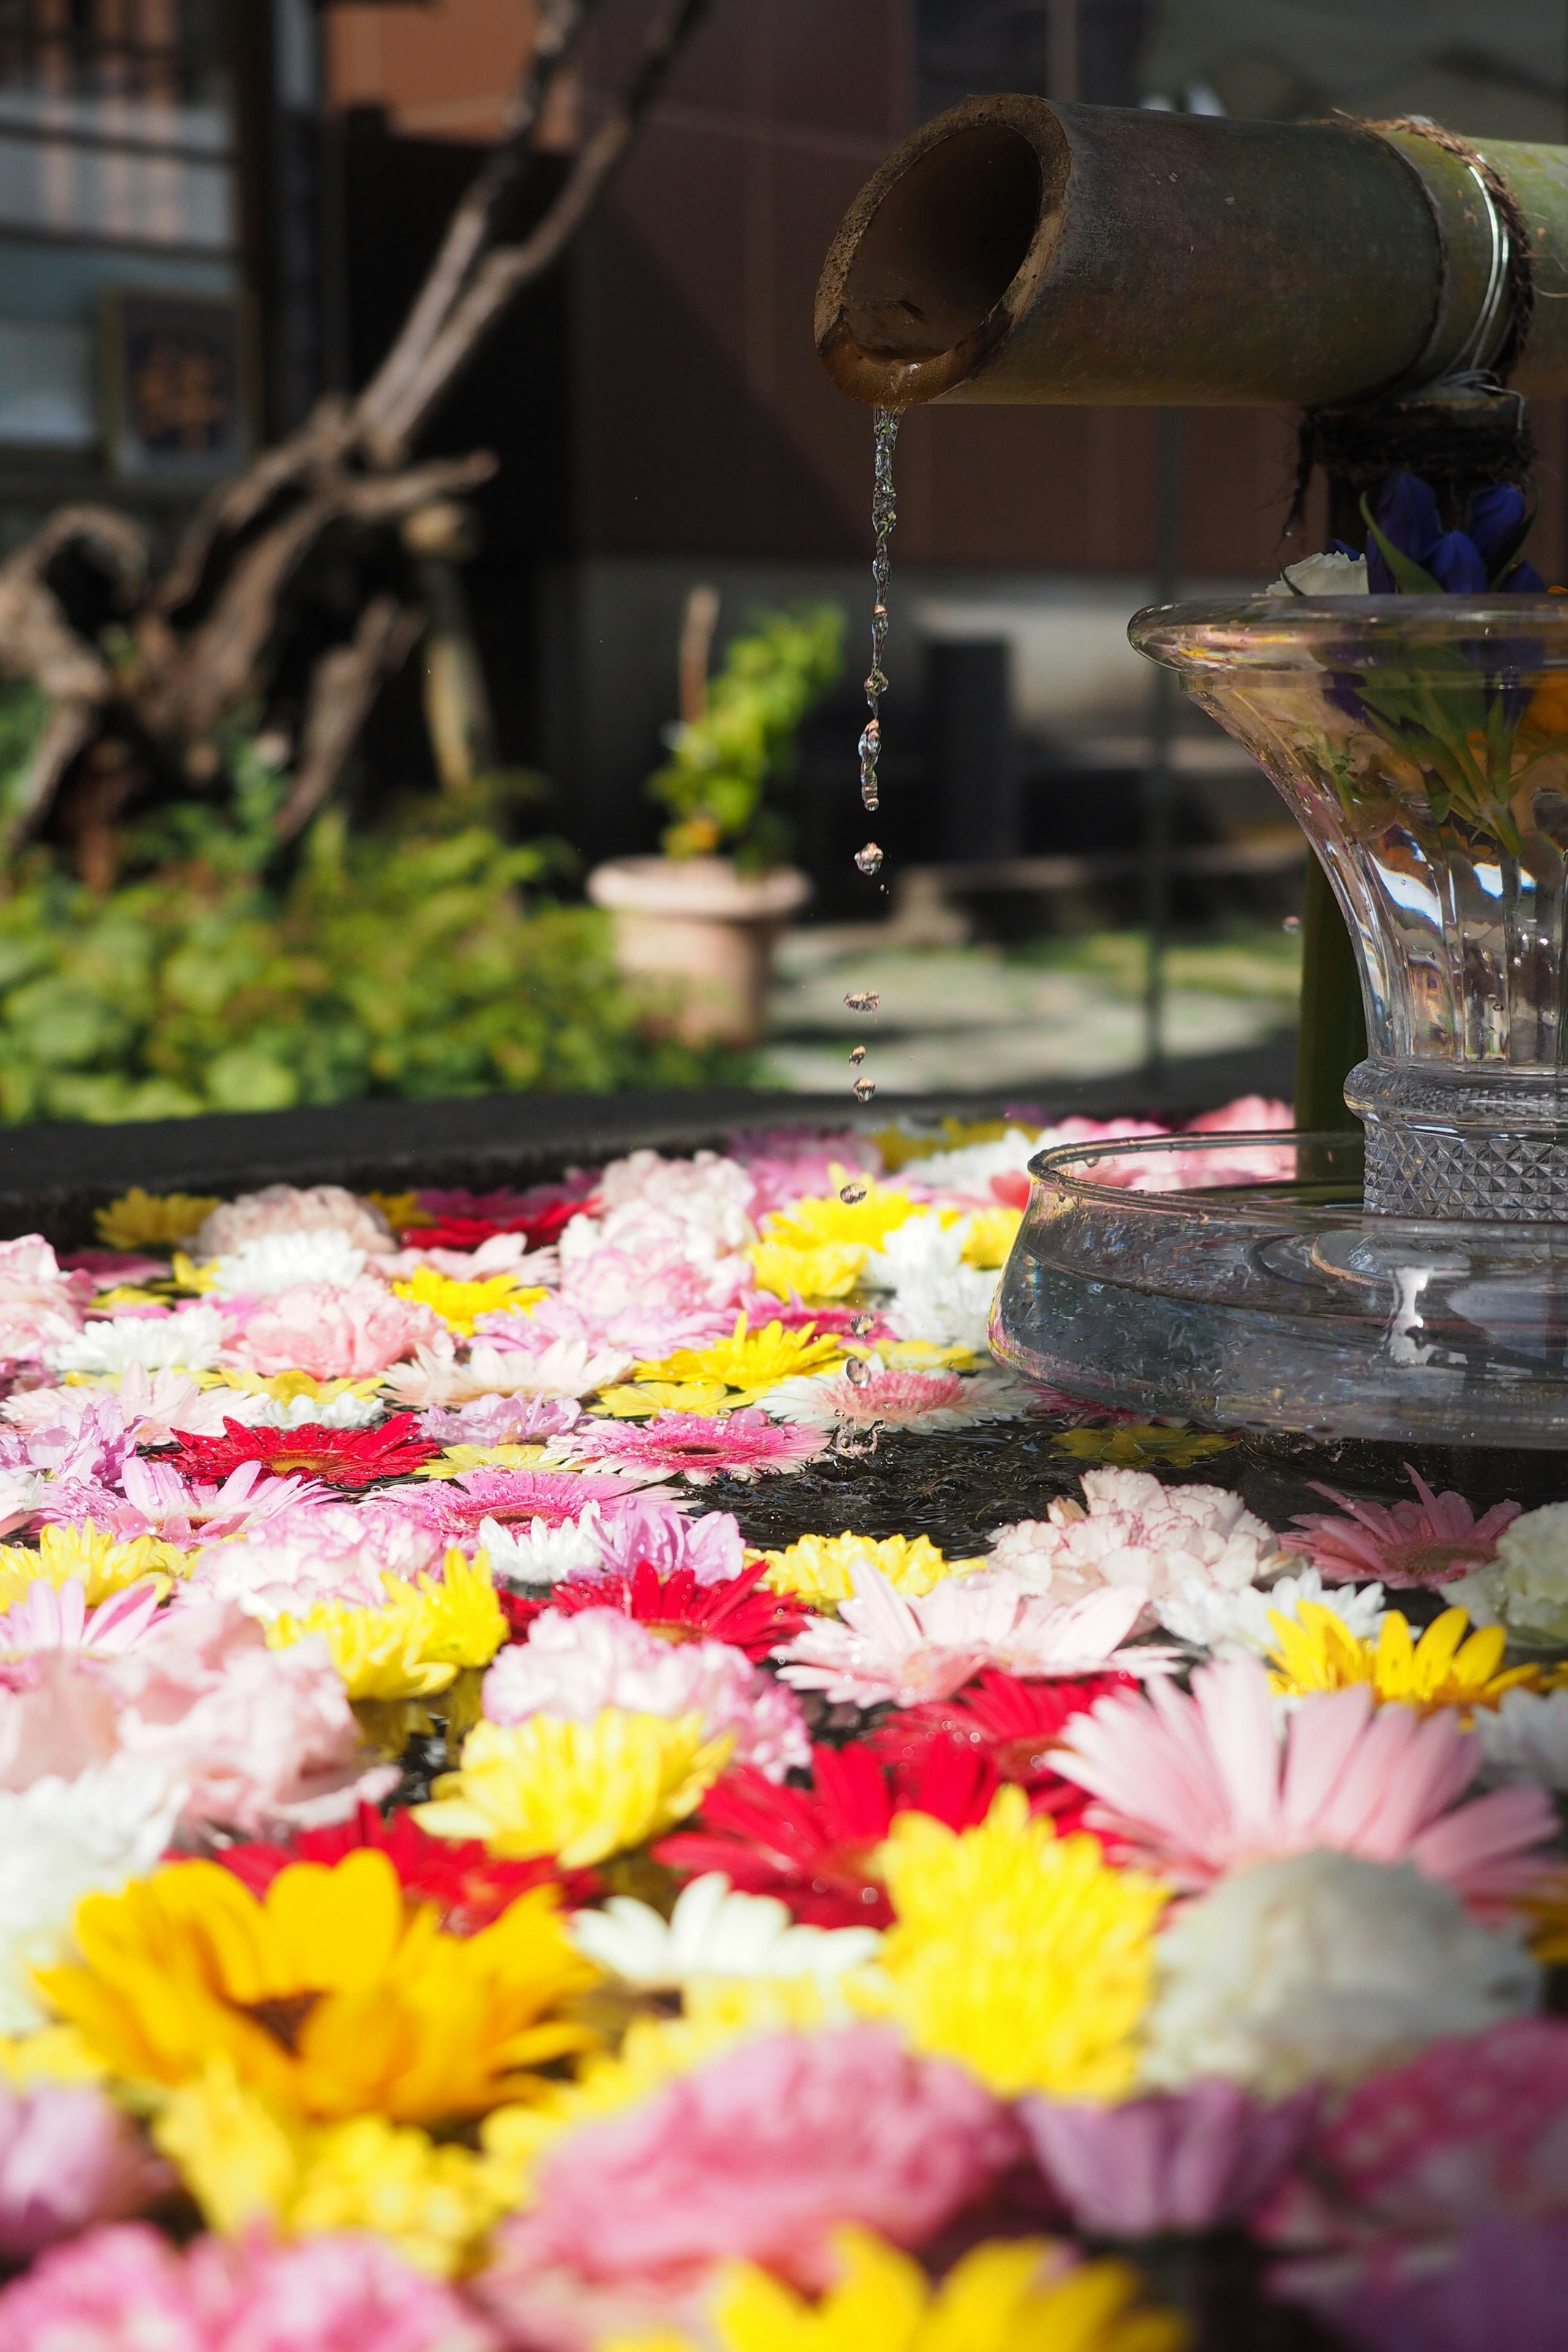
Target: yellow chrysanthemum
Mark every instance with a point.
(900, 1149)
(328, 1995)
(139, 1219)
(453, 1460)
(104, 1564)
(989, 1237)
(287, 1387)
(855, 1225)
(637, 1399)
(1010, 2295)
(55, 2054)
(1545, 1908)
(1024, 1956)
(247, 2163)
(749, 1360)
(401, 1210)
(1442, 1669)
(815, 1569)
(459, 1305)
(830, 1272)
(418, 1643)
(581, 1790)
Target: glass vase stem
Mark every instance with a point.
(1331, 1036)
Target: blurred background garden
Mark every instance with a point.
(420, 499)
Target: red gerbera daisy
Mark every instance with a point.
(462, 1221)
(678, 1609)
(341, 1457)
(1013, 1725)
(813, 1847)
(468, 1886)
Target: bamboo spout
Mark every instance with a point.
(1019, 250)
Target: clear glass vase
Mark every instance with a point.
(1422, 743)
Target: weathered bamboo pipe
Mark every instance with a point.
(1017, 250)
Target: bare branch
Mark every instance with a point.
(36, 639)
(343, 685)
(66, 732)
(503, 274)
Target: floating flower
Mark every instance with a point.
(93, 1557)
(1189, 2161)
(138, 1220)
(124, 2285)
(818, 1849)
(563, 1368)
(1317, 1651)
(270, 1263)
(340, 1458)
(1430, 1541)
(577, 1790)
(936, 1296)
(1197, 1787)
(500, 1420)
(59, 1839)
(1022, 1955)
(411, 1643)
(1015, 1725)
(1321, 1967)
(257, 2172)
(883, 1647)
(749, 1360)
(677, 1608)
(1525, 1737)
(470, 1888)
(1131, 1530)
(714, 1931)
(459, 1305)
(67, 2158)
(53, 1617)
(1121, 1441)
(989, 1235)
(188, 1340)
(829, 1271)
(640, 1398)
(40, 1305)
(1500, 2283)
(662, 1536)
(336, 1334)
(864, 1224)
(285, 1209)
(762, 2152)
(543, 1552)
(578, 1666)
(288, 1560)
(325, 1995)
(820, 1569)
(895, 1400)
(744, 1444)
(1526, 1588)
(1233, 1624)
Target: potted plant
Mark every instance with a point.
(700, 921)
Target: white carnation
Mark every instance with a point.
(188, 1341)
(1329, 575)
(1526, 1590)
(269, 1263)
(713, 1932)
(1322, 1968)
(1525, 1737)
(1226, 1624)
(1136, 1531)
(60, 1839)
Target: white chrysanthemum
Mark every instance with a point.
(1526, 1590)
(971, 1169)
(1323, 1967)
(60, 1839)
(540, 1553)
(577, 1665)
(268, 1264)
(713, 1932)
(1329, 574)
(186, 1341)
(1525, 1737)
(344, 1412)
(935, 1296)
(1137, 1531)
(1229, 1623)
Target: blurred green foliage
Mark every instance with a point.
(728, 762)
(403, 961)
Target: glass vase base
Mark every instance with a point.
(1242, 1283)
(1462, 1144)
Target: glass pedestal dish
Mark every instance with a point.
(1281, 1304)
(1411, 1283)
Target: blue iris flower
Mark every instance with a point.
(1466, 563)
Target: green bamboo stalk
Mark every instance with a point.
(1331, 1038)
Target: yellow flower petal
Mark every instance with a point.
(1316, 1652)
(138, 1220)
(578, 1790)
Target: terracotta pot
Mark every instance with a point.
(702, 935)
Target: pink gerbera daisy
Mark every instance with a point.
(701, 1446)
(1196, 1787)
(458, 1506)
(1431, 1542)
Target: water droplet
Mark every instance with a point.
(863, 1325)
(870, 858)
(862, 999)
(853, 1443)
(863, 1089)
(857, 1372)
(856, 1055)
(1292, 923)
(851, 1194)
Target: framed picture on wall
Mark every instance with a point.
(178, 383)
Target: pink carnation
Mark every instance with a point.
(333, 1334)
(40, 1304)
(787, 1164)
(311, 1552)
(621, 1301)
(123, 2288)
(284, 1209)
(1202, 2158)
(1501, 2288)
(260, 1739)
(760, 2155)
(57, 1719)
(68, 2158)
